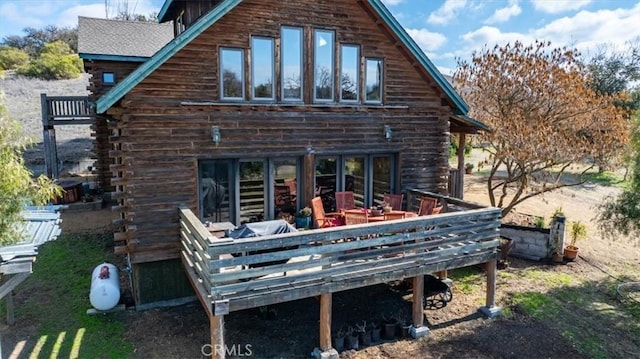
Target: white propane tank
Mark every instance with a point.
(105, 287)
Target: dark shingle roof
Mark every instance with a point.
(121, 38)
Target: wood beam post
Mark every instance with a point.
(418, 295)
(309, 168)
(216, 323)
(491, 283)
(325, 321)
(461, 145)
(490, 309)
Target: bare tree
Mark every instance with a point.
(545, 119)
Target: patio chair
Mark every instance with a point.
(427, 204)
(394, 200)
(345, 200)
(356, 217)
(322, 219)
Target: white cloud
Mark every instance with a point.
(558, 6)
(427, 40)
(585, 31)
(505, 13)
(69, 17)
(392, 2)
(446, 12)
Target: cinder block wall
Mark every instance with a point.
(529, 243)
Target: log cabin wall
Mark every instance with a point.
(101, 132)
(163, 125)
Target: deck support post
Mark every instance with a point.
(325, 351)
(217, 350)
(462, 143)
(309, 169)
(418, 329)
(490, 309)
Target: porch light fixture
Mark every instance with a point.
(215, 134)
(388, 134)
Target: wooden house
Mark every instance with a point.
(255, 107)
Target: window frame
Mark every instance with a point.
(113, 80)
(253, 69)
(333, 66)
(282, 64)
(242, 73)
(381, 86)
(357, 72)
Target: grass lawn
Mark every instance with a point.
(55, 299)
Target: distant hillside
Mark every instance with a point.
(22, 98)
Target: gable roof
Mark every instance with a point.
(144, 70)
(119, 40)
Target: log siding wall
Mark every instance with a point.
(164, 124)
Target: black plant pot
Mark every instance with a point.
(375, 335)
(338, 344)
(352, 342)
(389, 330)
(365, 338)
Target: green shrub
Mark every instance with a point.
(56, 62)
(12, 58)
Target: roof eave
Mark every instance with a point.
(117, 92)
(164, 11)
(104, 57)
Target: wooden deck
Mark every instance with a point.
(230, 275)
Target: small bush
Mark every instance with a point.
(12, 58)
(56, 62)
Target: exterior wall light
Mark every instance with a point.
(215, 134)
(388, 133)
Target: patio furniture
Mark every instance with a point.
(388, 216)
(427, 205)
(345, 200)
(394, 200)
(258, 229)
(356, 217)
(323, 219)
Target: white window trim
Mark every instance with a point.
(273, 72)
(282, 73)
(242, 73)
(357, 79)
(333, 69)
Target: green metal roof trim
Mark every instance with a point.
(473, 122)
(163, 10)
(388, 18)
(112, 57)
(134, 78)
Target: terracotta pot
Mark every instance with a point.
(571, 253)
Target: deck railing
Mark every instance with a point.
(245, 273)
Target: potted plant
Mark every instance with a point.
(468, 168)
(404, 324)
(352, 339)
(389, 325)
(339, 341)
(364, 333)
(578, 232)
(303, 218)
(375, 329)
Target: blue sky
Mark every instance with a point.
(445, 30)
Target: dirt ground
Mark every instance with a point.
(456, 331)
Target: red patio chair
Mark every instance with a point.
(394, 200)
(322, 219)
(345, 200)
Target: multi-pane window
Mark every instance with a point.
(232, 74)
(323, 65)
(349, 70)
(262, 62)
(373, 80)
(291, 57)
